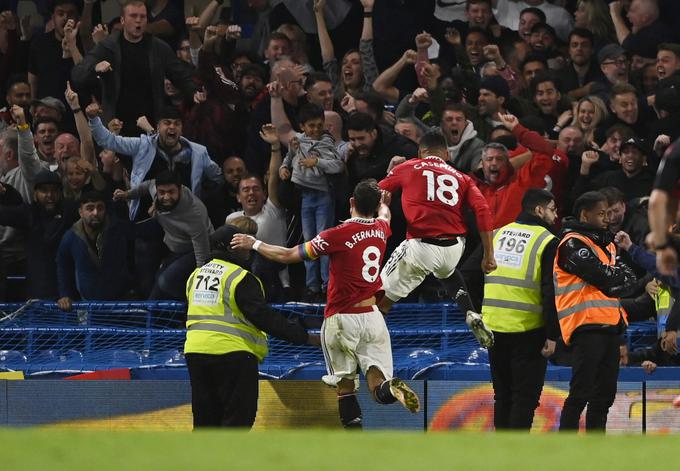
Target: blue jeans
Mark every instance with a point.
(317, 214)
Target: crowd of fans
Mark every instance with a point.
(125, 144)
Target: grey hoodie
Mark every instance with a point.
(314, 178)
(187, 225)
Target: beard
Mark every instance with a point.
(167, 206)
(95, 224)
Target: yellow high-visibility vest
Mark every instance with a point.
(512, 292)
(663, 302)
(213, 326)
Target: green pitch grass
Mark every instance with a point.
(35, 449)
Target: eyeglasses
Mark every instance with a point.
(618, 62)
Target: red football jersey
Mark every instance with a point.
(433, 196)
(356, 249)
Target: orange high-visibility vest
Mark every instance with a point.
(579, 303)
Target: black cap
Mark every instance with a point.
(538, 27)
(637, 143)
(169, 112)
(45, 177)
(220, 240)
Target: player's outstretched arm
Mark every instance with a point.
(272, 252)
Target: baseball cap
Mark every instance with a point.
(636, 142)
(538, 27)
(50, 102)
(497, 85)
(220, 240)
(610, 51)
(45, 177)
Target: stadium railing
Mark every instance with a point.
(38, 338)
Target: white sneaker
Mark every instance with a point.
(483, 335)
(405, 395)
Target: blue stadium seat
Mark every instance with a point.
(166, 358)
(424, 355)
(479, 356)
(56, 360)
(12, 360)
(312, 370)
(101, 360)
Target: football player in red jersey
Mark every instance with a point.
(353, 333)
(434, 195)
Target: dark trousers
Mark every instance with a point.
(594, 372)
(172, 276)
(517, 372)
(224, 389)
(471, 269)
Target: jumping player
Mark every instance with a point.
(353, 333)
(434, 195)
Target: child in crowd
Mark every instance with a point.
(81, 176)
(311, 156)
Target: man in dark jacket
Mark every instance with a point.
(132, 66)
(372, 148)
(42, 225)
(628, 216)
(92, 259)
(633, 177)
(588, 282)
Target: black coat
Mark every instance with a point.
(42, 234)
(613, 280)
(163, 62)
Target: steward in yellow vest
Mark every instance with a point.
(227, 325)
(589, 280)
(519, 308)
(655, 355)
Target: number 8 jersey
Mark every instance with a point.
(433, 197)
(356, 249)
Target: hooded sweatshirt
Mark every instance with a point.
(466, 155)
(313, 178)
(187, 226)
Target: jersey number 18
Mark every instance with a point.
(444, 187)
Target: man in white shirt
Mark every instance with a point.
(507, 14)
(264, 208)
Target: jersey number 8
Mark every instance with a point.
(444, 187)
(371, 257)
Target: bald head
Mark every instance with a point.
(333, 124)
(643, 13)
(570, 140)
(233, 168)
(66, 145)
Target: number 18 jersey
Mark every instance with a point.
(433, 197)
(356, 249)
